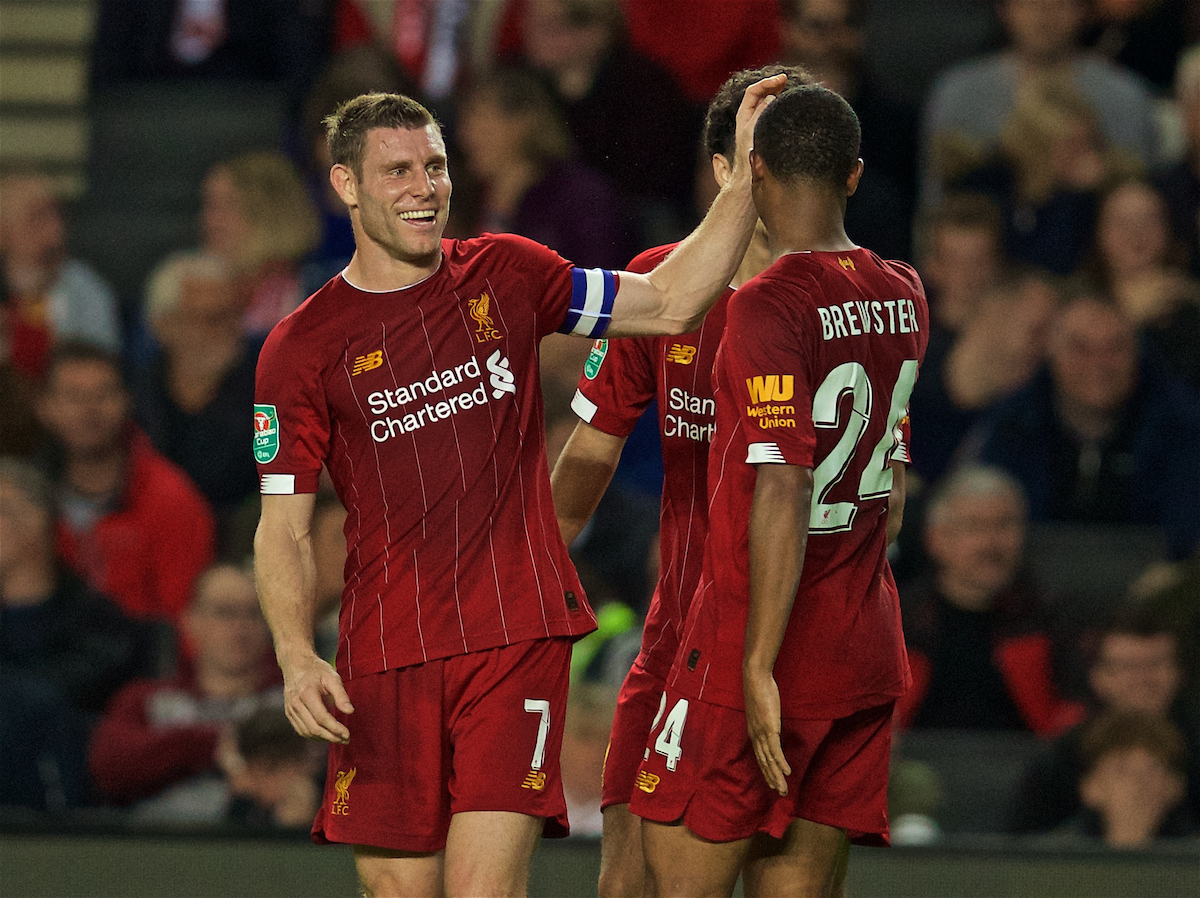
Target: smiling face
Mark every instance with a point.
(401, 202)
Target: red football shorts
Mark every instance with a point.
(476, 732)
(702, 771)
(637, 703)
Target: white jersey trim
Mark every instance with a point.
(764, 454)
(583, 407)
(278, 484)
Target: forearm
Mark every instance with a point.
(778, 537)
(285, 573)
(581, 475)
(896, 498)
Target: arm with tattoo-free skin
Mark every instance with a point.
(581, 475)
(285, 573)
(779, 517)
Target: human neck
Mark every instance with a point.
(225, 684)
(1086, 422)
(962, 593)
(374, 270)
(809, 223)
(30, 582)
(757, 258)
(97, 475)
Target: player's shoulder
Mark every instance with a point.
(649, 259)
(902, 271)
(499, 250)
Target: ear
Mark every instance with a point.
(345, 184)
(758, 168)
(855, 177)
(721, 169)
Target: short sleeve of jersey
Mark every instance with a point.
(618, 380)
(569, 300)
(291, 418)
(767, 358)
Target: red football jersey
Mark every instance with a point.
(818, 360)
(425, 405)
(618, 381)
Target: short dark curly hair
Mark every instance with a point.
(720, 122)
(809, 133)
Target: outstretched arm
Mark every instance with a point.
(581, 475)
(778, 538)
(675, 296)
(286, 576)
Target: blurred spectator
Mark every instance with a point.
(157, 747)
(1180, 183)
(257, 215)
(1046, 174)
(63, 650)
(518, 149)
(1136, 260)
(1098, 437)
(972, 101)
(360, 70)
(590, 708)
(274, 774)
(1132, 786)
(425, 40)
(281, 42)
(701, 41)
(827, 38)
(132, 524)
(979, 654)
(625, 113)
(1136, 669)
(47, 296)
(195, 395)
(962, 265)
(1145, 36)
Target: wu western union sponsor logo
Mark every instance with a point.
(535, 780)
(681, 354)
(770, 388)
(368, 362)
(647, 782)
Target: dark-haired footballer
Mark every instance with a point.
(412, 377)
(617, 384)
(771, 752)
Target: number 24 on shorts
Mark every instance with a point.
(668, 742)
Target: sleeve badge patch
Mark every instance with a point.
(266, 433)
(595, 358)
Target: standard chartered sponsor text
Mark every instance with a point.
(679, 400)
(413, 416)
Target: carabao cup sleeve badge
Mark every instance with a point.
(266, 433)
(592, 366)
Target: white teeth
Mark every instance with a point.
(422, 214)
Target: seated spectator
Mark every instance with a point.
(1098, 437)
(1132, 787)
(1136, 669)
(47, 296)
(1144, 36)
(1046, 174)
(1180, 182)
(827, 37)
(156, 750)
(132, 524)
(1136, 260)
(257, 215)
(275, 775)
(979, 654)
(970, 102)
(986, 331)
(63, 651)
(519, 151)
(626, 115)
(193, 397)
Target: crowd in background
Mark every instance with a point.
(1047, 188)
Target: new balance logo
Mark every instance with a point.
(770, 388)
(647, 782)
(681, 354)
(535, 780)
(368, 362)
